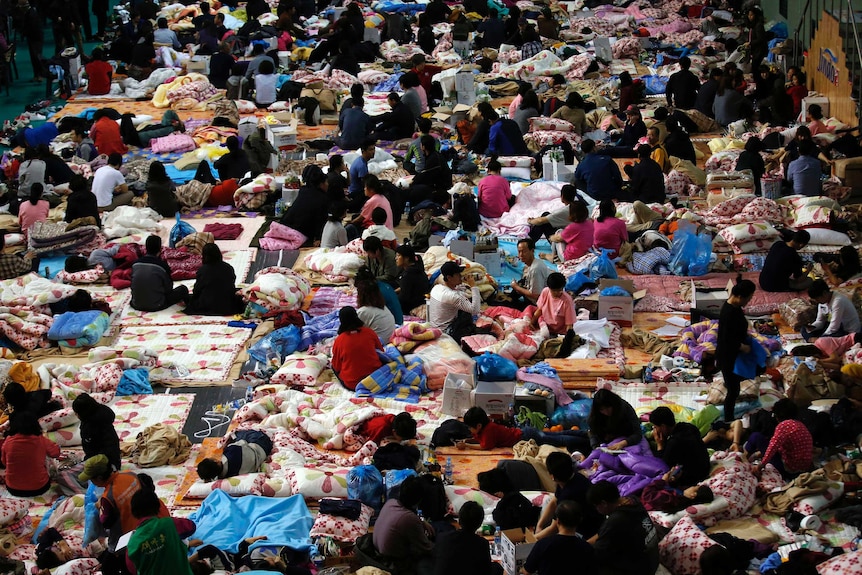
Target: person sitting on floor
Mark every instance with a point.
(105, 132)
(609, 232)
(245, 454)
(334, 233)
(841, 268)
(552, 555)
(836, 314)
(679, 444)
(375, 199)
(98, 434)
(488, 434)
(571, 486)
(401, 536)
(598, 175)
(372, 307)
(16, 265)
(782, 269)
(99, 73)
(495, 195)
(413, 284)
(555, 307)
(307, 214)
(214, 292)
(234, 164)
(81, 202)
(354, 353)
(613, 422)
(152, 286)
(379, 229)
(463, 551)
(504, 136)
(34, 210)
(24, 455)
(109, 185)
(548, 223)
(576, 239)
(646, 179)
(660, 496)
(395, 124)
(627, 543)
(535, 274)
(161, 191)
(791, 448)
(450, 309)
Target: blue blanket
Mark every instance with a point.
(224, 521)
(318, 328)
(395, 379)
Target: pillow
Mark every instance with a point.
(83, 277)
(315, 483)
(458, 495)
(538, 498)
(556, 124)
(249, 484)
(66, 437)
(846, 564)
(824, 201)
(516, 161)
(742, 233)
(12, 510)
(703, 512)
(517, 173)
(812, 216)
(817, 503)
(825, 237)
(770, 480)
(753, 246)
(681, 549)
(341, 528)
(300, 369)
(58, 419)
(276, 487)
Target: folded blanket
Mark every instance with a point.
(395, 379)
(76, 329)
(411, 334)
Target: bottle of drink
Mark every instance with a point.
(249, 394)
(406, 210)
(498, 540)
(448, 471)
(648, 373)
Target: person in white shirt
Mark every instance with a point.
(166, 36)
(372, 307)
(264, 84)
(109, 185)
(379, 229)
(535, 275)
(836, 314)
(450, 309)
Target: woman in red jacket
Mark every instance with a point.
(25, 453)
(354, 353)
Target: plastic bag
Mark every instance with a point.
(92, 526)
(654, 84)
(180, 230)
(441, 357)
(281, 342)
(365, 483)
(577, 281)
(615, 291)
(393, 480)
(576, 414)
(493, 367)
(691, 252)
(603, 267)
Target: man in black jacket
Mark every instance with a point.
(394, 125)
(680, 444)
(646, 179)
(152, 286)
(98, 436)
(627, 542)
(682, 87)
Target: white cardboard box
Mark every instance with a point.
(246, 127)
(710, 301)
(619, 309)
(516, 544)
(199, 64)
(457, 400)
(494, 396)
(465, 88)
(282, 136)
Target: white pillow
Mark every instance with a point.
(824, 237)
(519, 173)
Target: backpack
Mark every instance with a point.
(434, 503)
(419, 237)
(514, 510)
(449, 431)
(466, 212)
(426, 40)
(365, 483)
(396, 456)
(311, 108)
(290, 90)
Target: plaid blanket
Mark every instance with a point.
(395, 379)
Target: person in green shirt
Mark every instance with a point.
(156, 546)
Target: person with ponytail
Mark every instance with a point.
(156, 546)
(609, 232)
(733, 339)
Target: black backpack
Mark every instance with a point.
(434, 501)
(290, 90)
(396, 456)
(311, 107)
(466, 212)
(449, 431)
(514, 510)
(426, 40)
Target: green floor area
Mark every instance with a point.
(24, 90)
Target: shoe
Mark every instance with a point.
(37, 117)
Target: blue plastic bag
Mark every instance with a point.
(135, 382)
(615, 291)
(691, 252)
(577, 281)
(180, 230)
(365, 483)
(281, 342)
(394, 479)
(92, 526)
(576, 413)
(654, 84)
(603, 267)
(493, 367)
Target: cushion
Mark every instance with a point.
(58, 419)
(556, 124)
(817, 503)
(249, 484)
(703, 512)
(519, 173)
(847, 564)
(458, 495)
(753, 246)
(317, 483)
(742, 233)
(516, 161)
(825, 237)
(82, 277)
(300, 369)
(812, 216)
(681, 549)
(12, 510)
(341, 528)
(276, 487)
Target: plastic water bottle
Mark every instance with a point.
(406, 209)
(249, 394)
(498, 541)
(648, 373)
(448, 471)
(397, 69)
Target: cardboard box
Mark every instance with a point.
(710, 301)
(463, 248)
(516, 545)
(199, 64)
(602, 45)
(465, 88)
(491, 261)
(565, 173)
(246, 127)
(494, 396)
(619, 309)
(457, 399)
(282, 136)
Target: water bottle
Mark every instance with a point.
(648, 373)
(397, 68)
(498, 541)
(448, 472)
(406, 210)
(249, 394)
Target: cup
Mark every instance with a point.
(667, 363)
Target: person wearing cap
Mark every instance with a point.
(449, 309)
(115, 506)
(307, 214)
(413, 284)
(354, 353)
